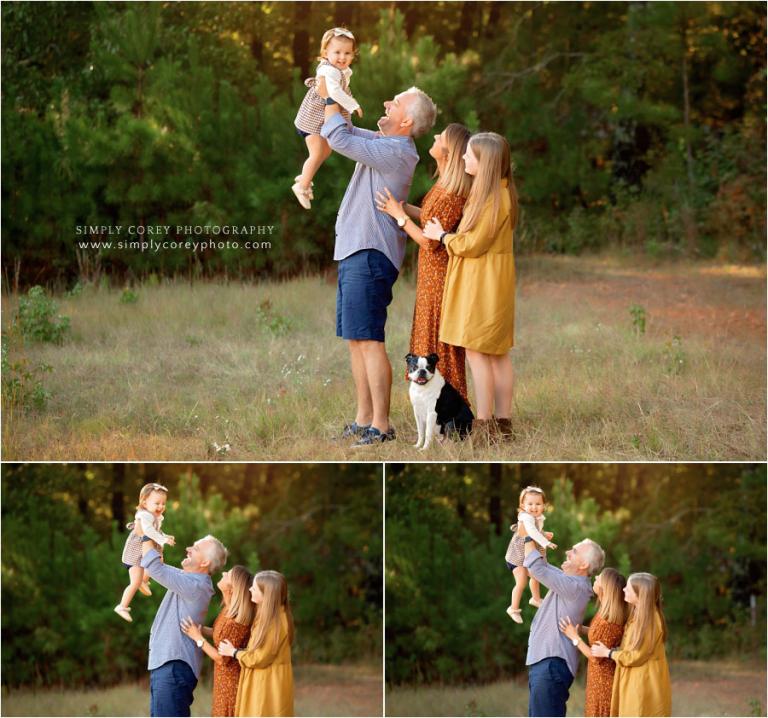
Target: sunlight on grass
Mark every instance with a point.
(320, 691)
(258, 366)
(699, 688)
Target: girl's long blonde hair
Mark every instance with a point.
(642, 615)
(494, 164)
(454, 177)
(613, 607)
(274, 588)
(240, 607)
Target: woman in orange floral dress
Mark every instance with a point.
(234, 624)
(607, 627)
(445, 202)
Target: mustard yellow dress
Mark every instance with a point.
(266, 678)
(479, 293)
(641, 684)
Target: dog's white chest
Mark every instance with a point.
(425, 396)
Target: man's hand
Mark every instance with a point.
(321, 88)
(521, 530)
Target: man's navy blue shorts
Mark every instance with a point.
(364, 292)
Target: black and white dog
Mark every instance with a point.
(435, 401)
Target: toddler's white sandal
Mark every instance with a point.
(124, 613)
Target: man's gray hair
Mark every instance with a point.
(421, 110)
(215, 552)
(595, 556)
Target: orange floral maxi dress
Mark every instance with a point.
(430, 279)
(227, 673)
(597, 698)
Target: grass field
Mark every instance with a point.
(320, 691)
(257, 366)
(698, 689)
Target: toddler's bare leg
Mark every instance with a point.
(521, 581)
(136, 574)
(535, 589)
(319, 152)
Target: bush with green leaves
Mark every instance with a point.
(37, 317)
(23, 385)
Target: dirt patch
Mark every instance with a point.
(718, 689)
(712, 301)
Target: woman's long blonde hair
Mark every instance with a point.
(274, 589)
(494, 164)
(613, 607)
(642, 615)
(240, 607)
(454, 177)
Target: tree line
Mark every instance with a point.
(63, 530)
(701, 528)
(634, 126)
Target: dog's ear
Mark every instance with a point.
(433, 358)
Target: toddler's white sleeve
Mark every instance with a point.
(530, 526)
(332, 84)
(148, 526)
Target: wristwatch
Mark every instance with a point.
(527, 539)
(442, 237)
(402, 220)
(330, 101)
(234, 655)
(199, 643)
(575, 641)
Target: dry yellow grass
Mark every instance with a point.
(699, 688)
(165, 378)
(320, 691)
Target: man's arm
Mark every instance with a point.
(174, 579)
(371, 152)
(553, 578)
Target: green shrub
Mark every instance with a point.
(128, 296)
(37, 318)
(22, 385)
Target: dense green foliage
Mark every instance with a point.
(633, 125)
(37, 318)
(63, 534)
(700, 528)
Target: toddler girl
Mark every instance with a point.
(530, 513)
(337, 50)
(148, 519)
